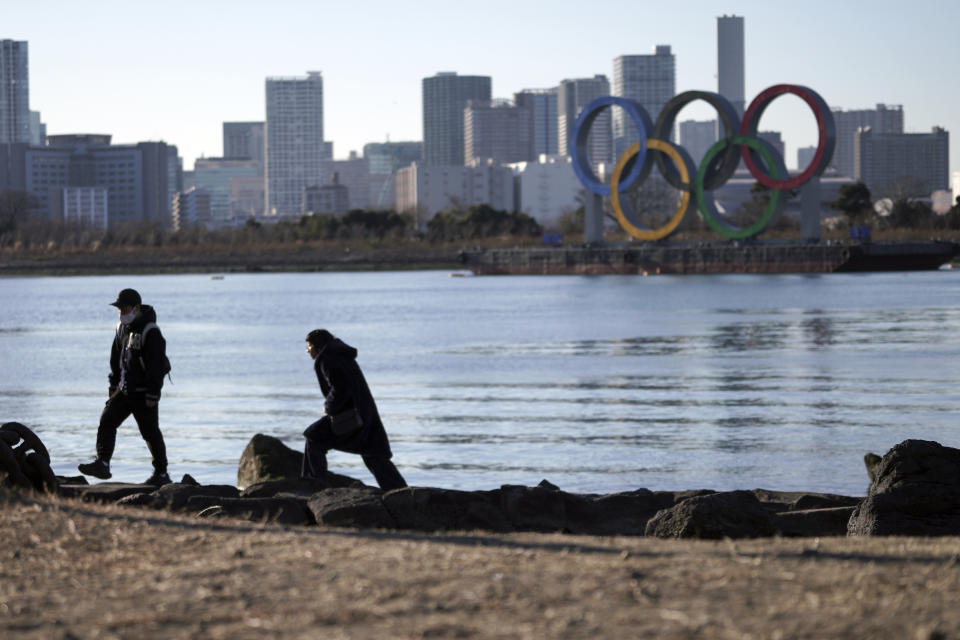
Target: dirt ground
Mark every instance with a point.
(72, 570)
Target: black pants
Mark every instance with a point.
(320, 439)
(119, 407)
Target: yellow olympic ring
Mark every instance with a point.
(672, 224)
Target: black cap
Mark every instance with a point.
(127, 298)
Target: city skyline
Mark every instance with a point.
(175, 72)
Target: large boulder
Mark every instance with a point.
(813, 523)
(430, 509)
(731, 514)
(305, 487)
(916, 491)
(351, 507)
(267, 458)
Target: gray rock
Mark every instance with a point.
(813, 523)
(291, 511)
(613, 514)
(916, 492)
(778, 501)
(174, 496)
(534, 508)
(300, 486)
(872, 462)
(731, 514)
(351, 507)
(267, 458)
(431, 509)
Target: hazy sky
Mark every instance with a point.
(175, 70)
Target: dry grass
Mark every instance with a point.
(72, 570)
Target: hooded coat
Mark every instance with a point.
(137, 361)
(344, 388)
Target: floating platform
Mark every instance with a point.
(706, 258)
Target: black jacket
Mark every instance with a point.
(344, 387)
(137, 364)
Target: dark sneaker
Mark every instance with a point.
(158, 479)
(98, 469)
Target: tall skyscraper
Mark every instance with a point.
(243, 141)
(14, 92)
(648, 79)
(541, 105)
(445, 96)
(572, 97)
(730, 61)
(295, 149)
(498, 130)
(885, 119)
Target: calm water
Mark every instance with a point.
(598, 384)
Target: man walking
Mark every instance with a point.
(352, 422)
(138, 363)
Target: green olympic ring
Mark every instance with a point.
(710, 214)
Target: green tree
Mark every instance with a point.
(854, 200)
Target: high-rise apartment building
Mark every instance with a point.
(14, 92)
(541, 105)
(295, 149)
(730, 61)
(498, 130)
(445, 96)
(884, 119)
(902, 164)
(244, 141)
(647, 79)
(572, 96)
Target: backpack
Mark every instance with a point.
(136, 342)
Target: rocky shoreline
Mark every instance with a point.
(914, 490)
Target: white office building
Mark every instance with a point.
(426, 189)
(295, 148)
(85, 207)
(546, 189)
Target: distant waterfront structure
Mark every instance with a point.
(85, 207)
(956, 186)
(541, 105)
(498, 130)
(295, 148)
(244, 141)
(648, 79)
(775, 140)
(426, 189)
(572, 96)
(445, 96)
(884, 119)
(805, 156)
(191, 208)
(354, 175)
(697, 136)
(216, 177)
(545, 189)
(14, 92)
(902, 164)
(731, 76)
(331, 199)
(140, 179)
(384, 159)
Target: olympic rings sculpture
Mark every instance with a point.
(717, 166)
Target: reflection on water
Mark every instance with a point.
(597, 384)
